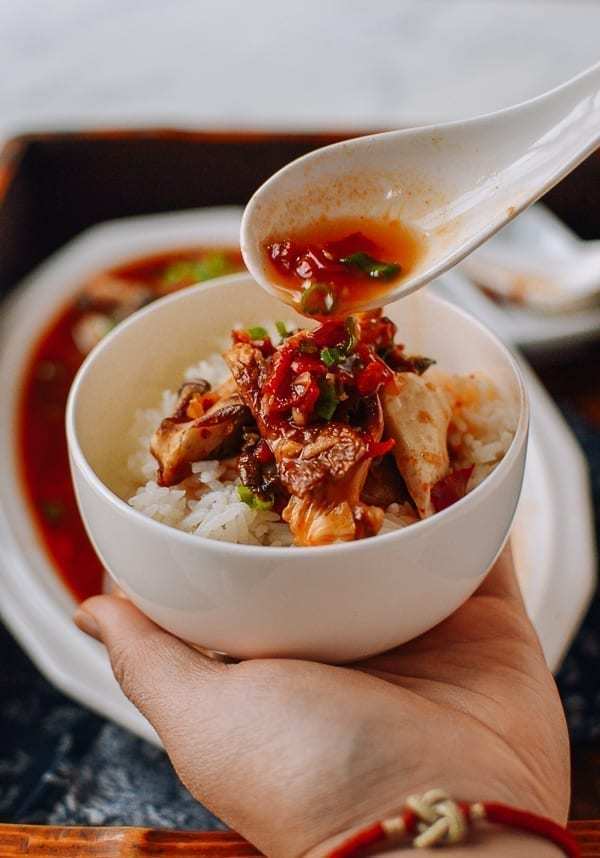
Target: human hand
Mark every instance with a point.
(294, 754)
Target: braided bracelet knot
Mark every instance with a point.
(434, 819)
(439, 819)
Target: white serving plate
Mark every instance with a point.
(538, 233)
(555, 552)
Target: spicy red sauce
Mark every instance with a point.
(53, 365)
(334, 267)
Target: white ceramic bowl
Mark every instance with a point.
(334, 603)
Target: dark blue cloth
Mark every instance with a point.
(61, 764)
(579, 677)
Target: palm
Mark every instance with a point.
(291, 752)
(485, 675)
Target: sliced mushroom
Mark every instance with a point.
(191, 393)
(179, 441)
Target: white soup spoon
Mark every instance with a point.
(455, 183)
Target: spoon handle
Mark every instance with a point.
(563, 126)
(585, 85)
(521, 153)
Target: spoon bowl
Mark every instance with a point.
(454, 184)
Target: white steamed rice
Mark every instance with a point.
(207, 503)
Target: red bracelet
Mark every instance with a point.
(435, 820)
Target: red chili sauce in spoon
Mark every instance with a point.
(335, 266)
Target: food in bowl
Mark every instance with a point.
(104, 300)
(308, 437)
(335, 602)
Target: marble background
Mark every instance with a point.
(315, 63)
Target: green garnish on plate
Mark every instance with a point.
(53, 511)
(197, 270)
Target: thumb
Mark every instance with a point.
(155, 670)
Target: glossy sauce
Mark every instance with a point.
(336, 266)
(54, 362)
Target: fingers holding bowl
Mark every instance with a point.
(154, 669)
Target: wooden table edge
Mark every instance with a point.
(42, 841)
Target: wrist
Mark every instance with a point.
(504, 782)
(493, 842)
(462, 828)
(487, 842)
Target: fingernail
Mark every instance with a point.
(87, 623)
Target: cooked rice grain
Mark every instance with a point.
(207, 503)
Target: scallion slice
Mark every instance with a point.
(327, 402)
(352, 333)
(375, 268)
(197, 270)
(258, 333)
(282, 330)
(318, 299)
(252, 500)
(331, 356)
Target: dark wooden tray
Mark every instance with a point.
(53, 186)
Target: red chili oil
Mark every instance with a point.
(336, 266)
(41, 439)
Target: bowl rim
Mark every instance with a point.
(79, 460)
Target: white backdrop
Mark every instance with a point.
(282, 63)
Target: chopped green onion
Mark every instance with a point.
(331, 356)
(318, 300)
(258, 333)
(48, 370)
(53, 511)
(197, 270)
(263, 505)
(373, 267)
(327, 402)
(352, 340)
(282, 330)
(248, 497)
